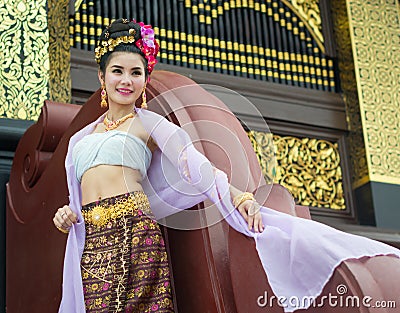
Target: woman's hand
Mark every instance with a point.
(64, 218)
(250, 211)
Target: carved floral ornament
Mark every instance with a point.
(309, 168)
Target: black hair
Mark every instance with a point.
(120, 28)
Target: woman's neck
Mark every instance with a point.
(114, 114)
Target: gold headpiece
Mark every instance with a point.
(147, 43)
(109, 45)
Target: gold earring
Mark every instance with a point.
(144, 98)
(103, 102)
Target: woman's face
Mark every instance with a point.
(124, 78)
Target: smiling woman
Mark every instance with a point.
(124, 266)
(125, 80)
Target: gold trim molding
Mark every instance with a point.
(375, 30)
(355, 139)
(308, 11)
(59, 51)
(77, 4)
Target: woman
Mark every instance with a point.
(124, 265)
(115, 259)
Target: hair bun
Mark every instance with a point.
(119, 28)
(120, 25)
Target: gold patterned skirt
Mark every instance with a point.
(124, 262)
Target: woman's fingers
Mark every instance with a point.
(250, 211)
(69, 214)
(60, 221)
(250, 222)
(261, 223)
(258, 223)
(64, 217)
(243, 212)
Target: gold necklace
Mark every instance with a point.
(110, 125)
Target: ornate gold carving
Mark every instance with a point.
(309, 168)
(35, 66)
(264, 149)
(25, 60)
(349, 89)
(308, 11)
(59, 51)
(374, 30)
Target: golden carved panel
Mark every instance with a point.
(24, 55)
(355, 139)
(375, 31)
(59, 51)
(309, 168)
(265, 151)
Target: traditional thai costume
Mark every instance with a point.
(124, 262)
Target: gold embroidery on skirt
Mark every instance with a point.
(124, 264)
(100, 215)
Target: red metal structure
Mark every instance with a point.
(215, 269)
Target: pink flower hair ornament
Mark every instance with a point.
(148, 45)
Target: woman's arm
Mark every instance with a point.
(247, 206)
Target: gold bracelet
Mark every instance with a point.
(65, 231)
(240, 198)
